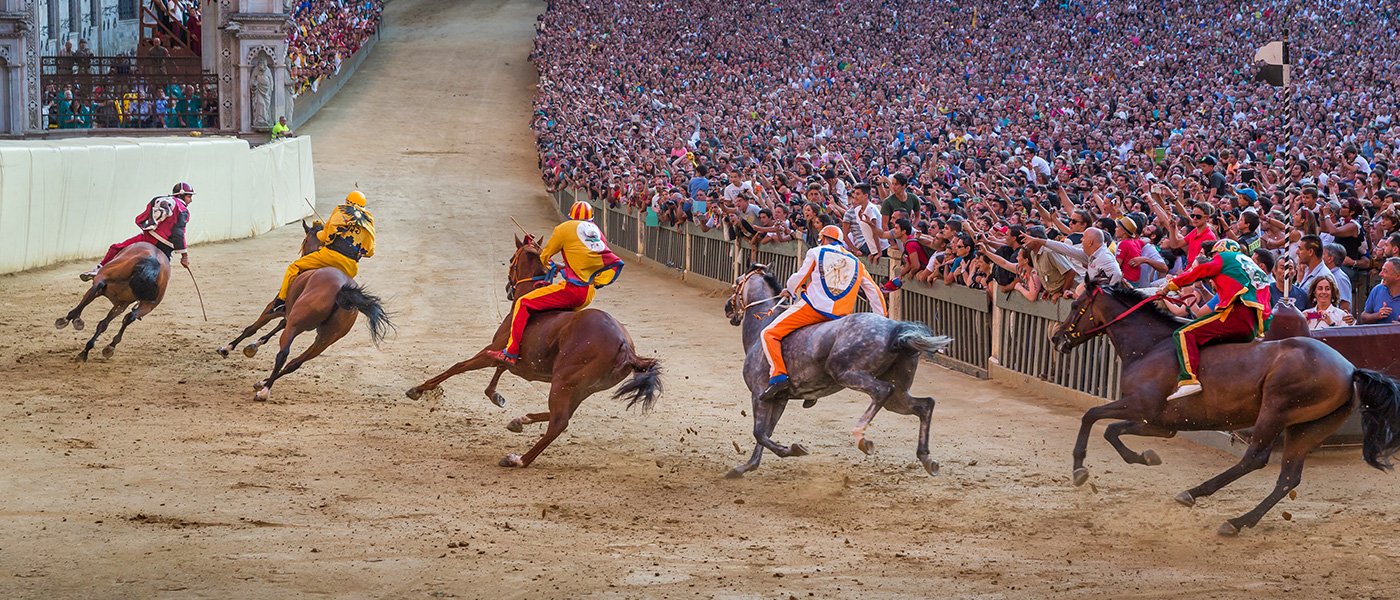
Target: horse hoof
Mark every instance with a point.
(260, 386)
(866, 446)
(78, 324)
(1150, 458)
(60, 323)
(797, 450)
(263, 394)
(81, 357)
(514, 426)
(414, 393)
(735, 473)
(108, 351)
(512, 460)
(1081, 476)
(498, 399)
(1185, 499)
(930, 465)
(809, 403)
(1228, 529)
(223, 351)
(250, 350)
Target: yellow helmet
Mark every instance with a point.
(356, 198)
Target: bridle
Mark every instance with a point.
(1071, 329)
(739, 289)
(540, 280)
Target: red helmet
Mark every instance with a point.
(182, 189)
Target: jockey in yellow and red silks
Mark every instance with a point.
(588, 265)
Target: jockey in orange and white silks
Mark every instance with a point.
(826, 283)
(588, 265)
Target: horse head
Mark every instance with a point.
(526, 270)
(1103, 305)
(754, 285)
(312, 241)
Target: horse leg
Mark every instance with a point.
(1147, 457)
(478, 361)
(1266, 432)
(141, 310)
(75, 316)
(264, 387)
(1119, 409)
(248, 332)
(765, 420)
(101, 327)
(517, 424)
(1298, 441)
(879, 392)
(491, 394)
(251, 350)
(772, 411)
(563, 400)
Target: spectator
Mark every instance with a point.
(1323, 313)
(1383, 303)
(281, 130)
(1332, 256)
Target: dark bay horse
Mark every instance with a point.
(863, 352)
(1298, 388)
(579, 353)
(324, 300)
(136, 275)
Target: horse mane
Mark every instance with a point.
(1130, 296)
(772, 281)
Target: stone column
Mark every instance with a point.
(19, 66)
(251, 32)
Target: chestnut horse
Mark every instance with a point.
(325, 300)
(579, 353)
(1296, 388)
(138, 274)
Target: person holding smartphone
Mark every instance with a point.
(1324, 313)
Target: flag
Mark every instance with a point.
(974, 17)
(1277, 67)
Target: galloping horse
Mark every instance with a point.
(1297, 387)
(863, 352)
(322, 299)
(137, 274)
(579, 353)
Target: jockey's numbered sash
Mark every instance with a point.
(590, 236)
(839, 272)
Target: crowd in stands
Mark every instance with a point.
(324, 33)
(1036, 143)
(172, 106)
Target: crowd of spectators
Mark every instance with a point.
(133, 106)
(1035, 143)
(324, 33)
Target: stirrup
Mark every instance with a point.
(776, 390)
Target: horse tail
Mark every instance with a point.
(645, 384)
(354, 297)
(1380, 416)
(917, 338)
(145, 279)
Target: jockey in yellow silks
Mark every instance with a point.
(588, 265)
(826, 284)
(346, 237)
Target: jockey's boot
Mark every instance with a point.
(777, 389)
(1185, 389)
(502, 356)
(88, 276)
(278, 305)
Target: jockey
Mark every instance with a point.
(346, 237)
(1241, 313)
(824, 282)
(588, 265)
(162, 225)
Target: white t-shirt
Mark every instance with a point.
(1041, 165)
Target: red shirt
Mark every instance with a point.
(1194, 239)
(917, 251)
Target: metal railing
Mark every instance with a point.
(1092, 368)
(128, 92)
(666, 246)
(711, 256)
(963, 313)
(621, 229)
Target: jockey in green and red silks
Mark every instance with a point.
(1241, 311)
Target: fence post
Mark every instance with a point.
(685, 250)
(997, 317)
(896, 303)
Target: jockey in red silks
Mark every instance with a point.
(162, 225)
(1241, 311)
(588, 265)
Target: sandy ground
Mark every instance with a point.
(153, 475)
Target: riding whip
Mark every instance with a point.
(197, 293)
(313, 210)
(522, 229)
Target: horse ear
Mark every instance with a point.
(305, 227)
(518, 243)
(758, 267)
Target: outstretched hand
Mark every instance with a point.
(185, 260)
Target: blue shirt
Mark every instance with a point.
(1379, 297)
(696, 183)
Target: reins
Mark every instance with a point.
(739, 289)
(1120, 317)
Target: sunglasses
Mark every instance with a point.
(1198, 216)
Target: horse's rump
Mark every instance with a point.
(144, 280)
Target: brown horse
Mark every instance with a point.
(1298, 388)
(579, 353)
(138, 274)
(325, 300)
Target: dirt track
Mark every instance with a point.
(153, 474)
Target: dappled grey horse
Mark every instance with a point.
(863, 352)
